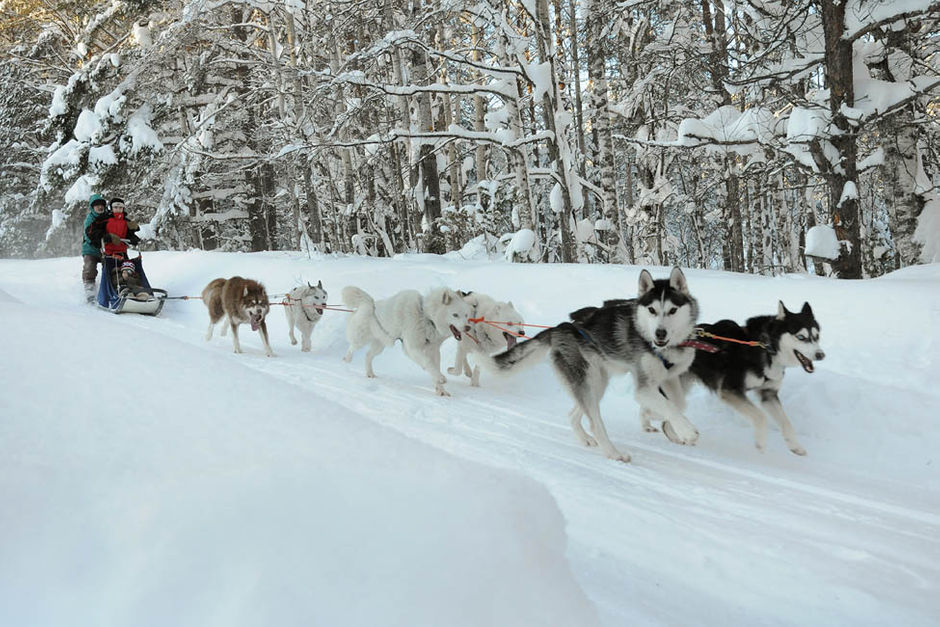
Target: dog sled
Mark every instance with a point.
(118, 298)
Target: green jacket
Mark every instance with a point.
(90, 247)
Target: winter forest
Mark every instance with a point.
(723, 134)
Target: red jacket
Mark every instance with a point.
(123, 229)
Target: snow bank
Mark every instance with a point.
(159, 485)
(715, 534)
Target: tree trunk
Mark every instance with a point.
(902, 164)
(558, 152)
(600, 117)
(766, 235)
(429, 187)
(519, 156)
(313, 209)
(839, 80)
(479, 113)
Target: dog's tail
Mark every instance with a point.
(521, 356)
(365, 307)
(357, 298)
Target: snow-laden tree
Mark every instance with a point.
(825, 77)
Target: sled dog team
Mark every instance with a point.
(654, 336)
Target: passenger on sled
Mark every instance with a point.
(127, 282)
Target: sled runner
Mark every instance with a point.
(120, 298)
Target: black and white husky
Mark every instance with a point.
(421, 322)
(303, 307)
(642, 336)
(787, 339)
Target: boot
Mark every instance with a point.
(90, 292)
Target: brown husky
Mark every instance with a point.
(242, 301)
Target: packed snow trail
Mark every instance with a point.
(717, 533)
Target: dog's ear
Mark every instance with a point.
(320, 284)
(511, 305)
(646, 282)
(677, 281)
(246, 291)
(807, 310)
(781, 310)
(464, 294)
(447, 298)
(308, 284)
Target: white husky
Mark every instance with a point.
(422, 323)
(483, 338)
(303, 307)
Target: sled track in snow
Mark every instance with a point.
(668, 490)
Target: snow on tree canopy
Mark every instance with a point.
(735, 130)
(58, 106)
(63, 162)
(584, 231)
(141, 134)
(802, 126)
(541, 76)
(557, 201)
(849, 192)
(927, 232)
(109, 106)
(521, 244)
(87, 126)
(102, 155)
(142, 35)
(821, 241)
(80, 191)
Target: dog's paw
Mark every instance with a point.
(441, 391)
(452, 370)
(650, 428)
(798, 450)
(293, 342)
(686, 437)
(587, 440)
(617, 456)
(347, 357)
(305, 349)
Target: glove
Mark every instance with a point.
(114, 238)
(132, 226)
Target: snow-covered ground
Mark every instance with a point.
(149, 477)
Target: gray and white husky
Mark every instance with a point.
(422, 323)
(787, 339)
(483, 338)
(303, 307)
(642, 336)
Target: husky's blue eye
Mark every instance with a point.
(802, 337)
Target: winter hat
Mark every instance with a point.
(97, 199)
(128, 265)
(117, 201)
